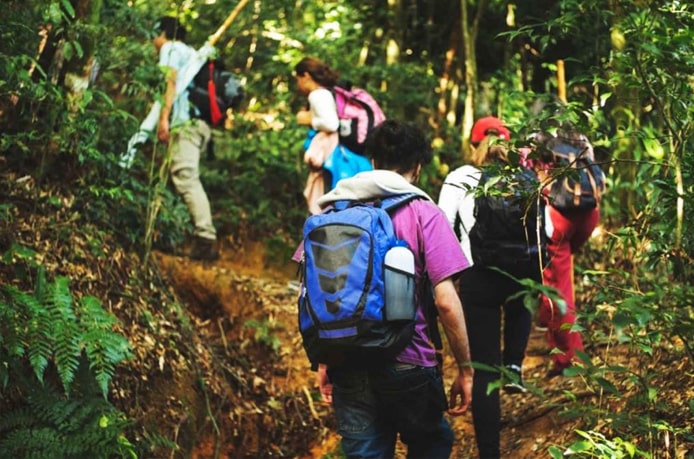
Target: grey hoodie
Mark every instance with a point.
(370, 185)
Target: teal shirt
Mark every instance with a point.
(175, 54)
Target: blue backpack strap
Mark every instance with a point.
(341, 205)
(391, 203)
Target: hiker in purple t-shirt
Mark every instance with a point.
(405, 396)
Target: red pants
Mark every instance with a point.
(569, 233)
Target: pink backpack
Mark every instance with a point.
(359, 113)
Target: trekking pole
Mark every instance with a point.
(561, 81)
(214, 38)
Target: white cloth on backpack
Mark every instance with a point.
(370, 185)
(322, 145)
(457, 199)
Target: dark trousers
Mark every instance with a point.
(484, 293)
(373, 405)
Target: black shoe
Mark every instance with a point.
(204, 249)
(554, 372)
(514, 385)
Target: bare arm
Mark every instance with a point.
(323, 383)
(453, 320)
(163, 130)
(303, 118)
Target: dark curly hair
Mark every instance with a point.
(398, 146)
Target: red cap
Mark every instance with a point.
(489, 125)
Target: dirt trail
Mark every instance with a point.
(244, 288)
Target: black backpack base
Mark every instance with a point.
(521, 261)
(374, 342)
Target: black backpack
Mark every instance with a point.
(213, 91)
(509, 231)
(577, 183)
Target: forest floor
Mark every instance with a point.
(531, 422)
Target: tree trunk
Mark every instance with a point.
(469, 32)
(446, 112)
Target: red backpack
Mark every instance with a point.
(359, 113)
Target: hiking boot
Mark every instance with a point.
(554, 372)
(514, 385)
(204, 249)
(294, 286)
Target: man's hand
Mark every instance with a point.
(461, 392)
(163, 130)
(326, 389)
(453, 320)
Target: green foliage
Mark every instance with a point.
(48, 338)
(258, 179)
(49, 426)
(48, 327)
(265, 332)
(641, 294)
(595, 444)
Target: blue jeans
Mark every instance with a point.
(374, 405)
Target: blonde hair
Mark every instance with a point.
(488, 151)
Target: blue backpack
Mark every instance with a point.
(343, 315)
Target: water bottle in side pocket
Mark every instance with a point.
(399, 283)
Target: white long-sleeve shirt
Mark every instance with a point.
(323, 110)
(457, 198)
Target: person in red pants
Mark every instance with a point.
(567, 234)
(568, 230)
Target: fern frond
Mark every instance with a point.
(67, 353)
(41, 287)
(104, 348)
(93, 315)
(27, 330)
(21, 417)
(34, 443)
(64, 330)
(19, 309)
(48, 330)
(39, 353)
(49, 407)
(59, 300)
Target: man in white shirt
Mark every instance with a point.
(187, 137)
